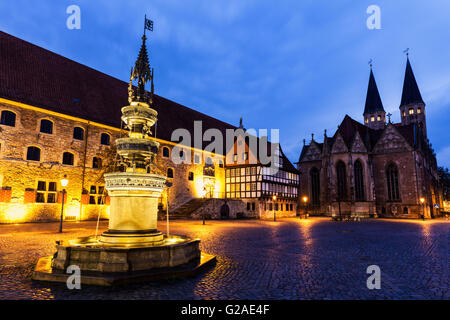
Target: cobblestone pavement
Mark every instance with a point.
(287, 259)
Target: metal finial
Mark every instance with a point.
(370, 63)
(406, 51)
(312, 136)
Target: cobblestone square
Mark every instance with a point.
(288, 259)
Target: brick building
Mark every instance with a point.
(377, 168)
(59, 117)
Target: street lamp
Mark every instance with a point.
(422, 201)
(64, 183)
(305, 200)
(274, 198)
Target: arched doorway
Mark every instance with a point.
(225, 211)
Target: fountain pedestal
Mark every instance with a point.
(134, 208)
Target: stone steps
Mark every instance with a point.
(185, 211)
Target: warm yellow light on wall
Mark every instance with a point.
(305, 199)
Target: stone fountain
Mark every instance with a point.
(132, 249)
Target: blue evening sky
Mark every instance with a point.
(299, 66)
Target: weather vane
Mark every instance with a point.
(370, 62)
(406, 51)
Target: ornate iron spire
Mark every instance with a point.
(142, 73)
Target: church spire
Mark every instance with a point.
(142, 73)
(374, 114)
(373, 99)
(411, 93)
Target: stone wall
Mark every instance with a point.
(18, 174)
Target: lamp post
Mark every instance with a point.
(422, 201)
(64, 183)
(305, 201)
(274, 198)
(204, 195)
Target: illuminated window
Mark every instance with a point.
(245, 156)
(8, 118)
(97, 195)
(419, 110)
(411, 111)
(34, 153)
(78, 133)
(68, 158)
(372, 119)
(403, 113)
(46, 126)
(367, 120)
(169, 173)
(105, 139)
(46, 192)
(378, 118)
(165, 152)
(97, 163)
(235, 157)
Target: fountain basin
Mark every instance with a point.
(105, 264)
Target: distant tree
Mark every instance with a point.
(444, 176)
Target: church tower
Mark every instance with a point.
(412, 107)
(374, 114)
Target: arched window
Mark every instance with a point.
(46, 126)
(97, 163)
(166, 152)
(34, 153)
(78, 133)
(419, 110)
(359, 181)
(341, 181)
(169, 173)
(392, 182)
(315, 186)
(8, 118)
(105, 139)
(68, 158)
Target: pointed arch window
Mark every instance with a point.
(359, 181)
(341, 181)
(392, 182)
(315, 186)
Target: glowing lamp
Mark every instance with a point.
(64, 181)
(422, 200)
(305, 199)
(274, 198)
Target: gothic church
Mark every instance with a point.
(377, 168)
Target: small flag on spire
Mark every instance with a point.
(148, 24)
